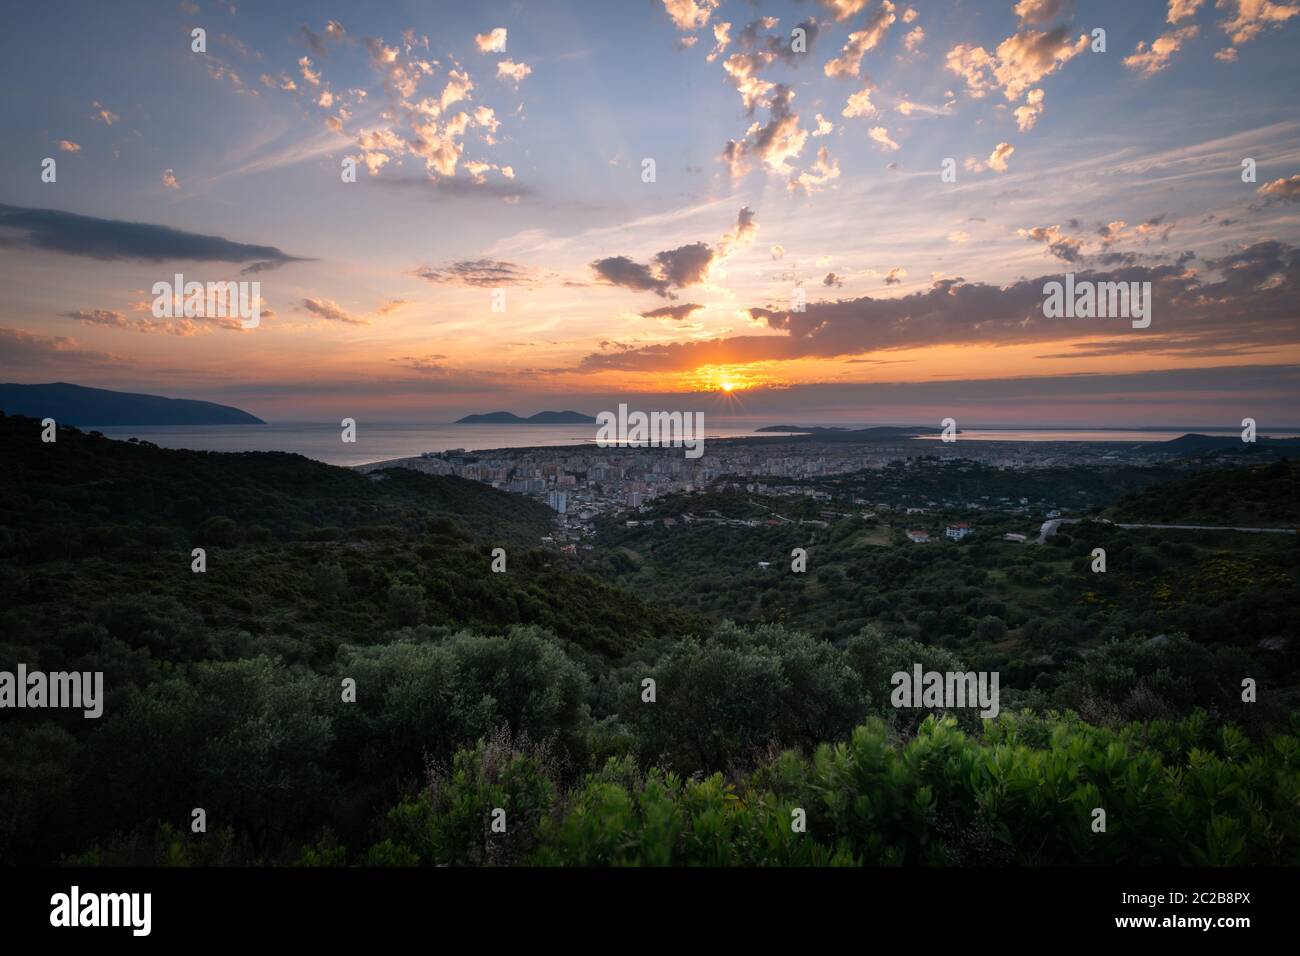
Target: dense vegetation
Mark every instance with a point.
(524, 690)
(1256, 496)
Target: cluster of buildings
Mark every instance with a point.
(954, 531)
(582, 483)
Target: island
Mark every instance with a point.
(541, 418)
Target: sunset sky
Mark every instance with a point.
(502, 145)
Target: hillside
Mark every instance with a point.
(122, 518)
(1255, 496)
(78, 405)
(227, 688)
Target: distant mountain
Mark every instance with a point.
(835, 433)
(81, 406)
(541, 418)
(1200, 443)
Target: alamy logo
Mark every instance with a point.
(1086, 299)
(215, 300)
(948, 689)
(79, 690)
(103, 909)
(655, 430)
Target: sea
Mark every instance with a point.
(378, 442)
(385, 441)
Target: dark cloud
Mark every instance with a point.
(1254, 303)
(456, 187)
(777, 45)
(486, 273)
(686, 265)
(672, 312)
(671, 269)
(112, 239)
(620, 270)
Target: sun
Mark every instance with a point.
(728, 386)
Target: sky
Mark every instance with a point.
(736, 207)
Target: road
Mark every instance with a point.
(1051, 527)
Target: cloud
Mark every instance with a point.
(690, 14)
(1064, 247)
(1288, 189)
(895, 276)
(841, 10)
(1253, 17)
(1044, 11)
(881, 136)
(686, 265)
(483, 273)
(459, 188)
(859, 104)
(26, 353)
(740, 235)
(182, 325)
(326, 309)
(308, 73)
(862, 42)
(1250, 305)
(1150, 59)
(1027, 115)
(1019, 62)
(494, 41)
(333, 32)
(67, 146)
(678, 268)
(815, 177)
(678, 312)
(998, 158)
(1182, 9)
(774, 143)
(913, 40)
(778, 251)
(832, 280)
(169, 180)
(622, 271)
(100, 317)
(513, 72)
(104, 114)
(112, 239)
(721, 40)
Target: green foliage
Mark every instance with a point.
(1024, 792)
(720, 699)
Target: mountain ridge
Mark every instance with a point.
(83, 406)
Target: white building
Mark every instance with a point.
(958, 531)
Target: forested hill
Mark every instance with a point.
(1257, 496)
(312, 553)
(87, 480)
(79, 405)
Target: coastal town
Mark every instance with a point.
(586, 484)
